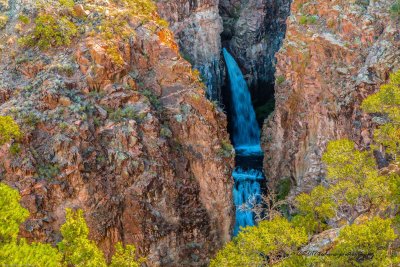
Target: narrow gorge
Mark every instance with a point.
(253, 32)
(156, 127)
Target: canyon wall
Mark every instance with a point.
(253, 33)
(334, 55)
(197, 27)
(125, 134)
(251, 30)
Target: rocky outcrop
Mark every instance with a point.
(322, 243)
(253, 33)
(334, 55)
(124, 133)
(197, 27)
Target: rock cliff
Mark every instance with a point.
(253, 32)
(119, 127)
(197, 26)
(334, 55)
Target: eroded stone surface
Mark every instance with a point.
(197, 26)
(325, 70)
(135, 144)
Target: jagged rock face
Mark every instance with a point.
(197, 27)
(324, 71)
(136, 145)
(253, 32)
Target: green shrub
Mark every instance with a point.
(50, 31)
(367, 242)
(280, 79)
(74, 250)
(15, 149)
(9, 129)
(3, 21)
(395, 9)
(115, 55)
(48, 171)
(24, 19)
(308, 19)
(16, 251)
(226, 149)
(122, 114)
(67, 3)
(262, 245)
(78, 250)
(11, 213)
(31, 119)
(125, 257)
(153, 99)
(165, 131)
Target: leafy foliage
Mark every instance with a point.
(11, 213)
(365, 242)
(74, 250)
(3, 21)
(15, 251)
(356, 198)
(261, 245)
(8, 129)
(387, 102)
(354, 188)
(226, 149)
(125, 256)
(314, 210)
(20, 253)
(50, 31)
(78, 250)
(308, 19)
(395, 9)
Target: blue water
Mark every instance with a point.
(246, 133)
(246, 140)
(246, 192)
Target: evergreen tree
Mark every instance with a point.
(125, 256)
(8, 129)
(76, 247)
(11, 213)
(262, 245)
(387, 103)
(14, 251)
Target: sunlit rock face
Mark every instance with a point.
(325, 68)
(134, 143)
(197, 26)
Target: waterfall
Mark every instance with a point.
(246, 133)
(246, 140)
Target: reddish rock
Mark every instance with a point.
(327, 69)
(127, 143)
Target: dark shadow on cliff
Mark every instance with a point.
(254, 49)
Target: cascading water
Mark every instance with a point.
(247, 190)
(246, 140)
(246, 133)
